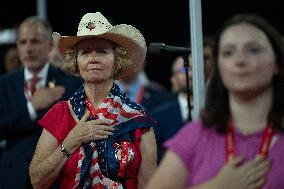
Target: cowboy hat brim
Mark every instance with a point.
(123, 35)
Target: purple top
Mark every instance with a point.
(202, 151)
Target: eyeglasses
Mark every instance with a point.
(181, 70)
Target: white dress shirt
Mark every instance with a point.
(182, 100)
(40, 84)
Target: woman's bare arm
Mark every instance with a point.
(48, 161)
(171, 173)
(149, 158)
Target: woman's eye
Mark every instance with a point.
(85, 51)
(102, 51)
(255, 50)
(226, 53)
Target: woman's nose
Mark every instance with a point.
(240, 58)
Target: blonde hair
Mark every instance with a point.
(121, 61)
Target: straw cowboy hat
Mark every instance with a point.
(96, 25)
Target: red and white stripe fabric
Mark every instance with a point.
(115, 111)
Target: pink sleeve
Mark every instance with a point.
(58, 121)
(184, 143)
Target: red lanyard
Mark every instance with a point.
(140, 94)
(90, 107)
(231, 147)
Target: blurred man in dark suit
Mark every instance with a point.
(25, 96)
(172, 114)
(142, 90)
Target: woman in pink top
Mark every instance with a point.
(238, 144)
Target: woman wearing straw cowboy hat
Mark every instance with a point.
(99, 138)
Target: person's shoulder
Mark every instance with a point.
(12, 76)
(190, 133)
(199, 126)
(193, 125)
(157, 91)
(72, 77)
(58, 110)
(63, 73)
(63, 77)
(152, 85)
(56, 120)
(194, 129)
(60, 105)
(168, 102)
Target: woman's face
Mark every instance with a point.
(246, 60)
(95, 60)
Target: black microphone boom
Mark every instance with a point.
(158, 48)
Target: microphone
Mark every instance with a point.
(159, 48)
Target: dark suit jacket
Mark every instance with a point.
(17, 128)
(169, 121)
(154, 95)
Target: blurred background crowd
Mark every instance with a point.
(167, 22)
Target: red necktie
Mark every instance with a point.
(33, 83)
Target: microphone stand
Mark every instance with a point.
(186, 66)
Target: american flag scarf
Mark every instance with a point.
(117, 108)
